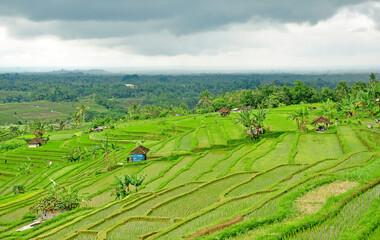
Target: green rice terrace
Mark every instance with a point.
(203, 178)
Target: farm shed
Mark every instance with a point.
(139, 154)
(98, 129)
(36, 142)
(321, 120)
(224, 112)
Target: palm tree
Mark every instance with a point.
(350, 105)
(327, 109)
(37, 125)
(259, 118)
(136, 180)
(301, 116)
(82, 111)
(205, 98)
(76, 119)
(61, 125)
(115, 148)
(246, 119)
(372, 79)
(104, 147)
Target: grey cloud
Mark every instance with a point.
(160, 27)
(177, 16)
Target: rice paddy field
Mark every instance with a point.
(204, 180)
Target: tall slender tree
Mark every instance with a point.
(115, 148)
(104, 147)
(82, 111)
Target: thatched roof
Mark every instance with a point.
(140, 150)
(224, 110)
(36, 141)
(321, 119)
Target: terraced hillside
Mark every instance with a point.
(204, 180)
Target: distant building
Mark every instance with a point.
(36, 142)
(224, 112)
(139, 153)
(235, 110)
(98, 129)
(129, 85)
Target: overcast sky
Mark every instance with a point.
(198, 34)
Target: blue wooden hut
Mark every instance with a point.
(139, 154)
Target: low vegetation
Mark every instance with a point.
(262, 173)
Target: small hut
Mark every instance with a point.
(98, 129)
(224, 112)
(322, 123)
(36, 142)
(139, 153)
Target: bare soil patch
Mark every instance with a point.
(313, 200)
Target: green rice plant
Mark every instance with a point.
(197, 168)
(205, 175)
(215, 135)
(104, 181)
(294, 148)
(176, 169)
(141, 207)
(239, 164)
(202, 138)
(262, 180)
(232, 131)
(223, 165)
(136, 228)
(279, 155)
(369, 137)
(353, 160)
(375, 235)
(169, 147)
(84, 236)
(197, 199)
(364, 173)
(304, 172)
(314, 147)
(214, 215)
(83, 221)
(350, 138)
(262, 154)
(181, 163)
(347, 217)
(185, 142)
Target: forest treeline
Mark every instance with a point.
(163, 90)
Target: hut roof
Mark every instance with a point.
(36, 141)
(226, 110)
(321, 119)
(140, 150)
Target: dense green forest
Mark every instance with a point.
(53, 97)
(150, 89)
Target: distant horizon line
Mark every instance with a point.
(194, 70)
